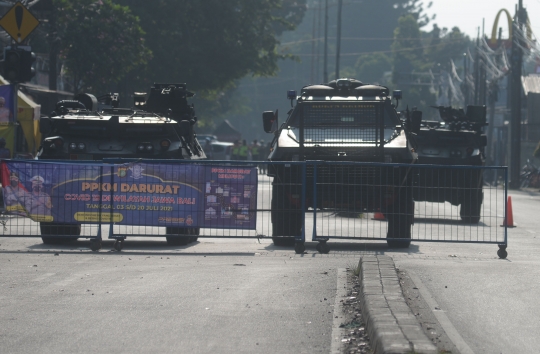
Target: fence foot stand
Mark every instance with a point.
(118, 240)
(118, 244)
(299, 247)
(502, 252)
(323, 247)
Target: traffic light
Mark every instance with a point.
(12, 65)
(27, 72)
(18, 65)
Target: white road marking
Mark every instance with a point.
(448, 327)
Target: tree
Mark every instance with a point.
(368, 29)
(407, 48)
(423, 61)
(445, 45)
(410, 66)
(370, 67)
(416, 8)
(210, 44)
(101, 43)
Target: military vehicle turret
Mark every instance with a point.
(342, 121)
(456, 139)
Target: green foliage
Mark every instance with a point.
(370, 67)
(214, 103)
(407, 47)
(210, 44)
(444, 45)
(419, 56)
(416, 9)
(408, 52)
(101, 43)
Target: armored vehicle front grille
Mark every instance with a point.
(343, 153)
(345, 174)
(340, 124)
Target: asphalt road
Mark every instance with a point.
(245, 295)
(238, 296)
(489, 304)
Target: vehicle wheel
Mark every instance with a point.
(181, 237)
(471, 207)
(398, 243)
(400, 219)
(195, 232)
(53, 240)
(95, 245)
(282, 241)
(286, 220)
(58, 233)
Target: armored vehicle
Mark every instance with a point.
(338, 122)
(456, 139)
(158, 126)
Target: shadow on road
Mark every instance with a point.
(341, 246)
(445, 222)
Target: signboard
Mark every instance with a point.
(6, 104)
(174, 195)
(19, 22)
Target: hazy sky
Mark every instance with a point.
(468, 15)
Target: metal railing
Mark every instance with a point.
(313, 200)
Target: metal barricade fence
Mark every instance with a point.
(181, 200)
(370, 201)
(314, 200)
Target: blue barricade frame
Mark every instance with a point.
(312, 214)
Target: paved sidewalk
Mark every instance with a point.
(391, 325)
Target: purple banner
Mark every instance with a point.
(180, 195)
(230, 199)
(6, 104)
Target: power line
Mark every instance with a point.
(374, 52)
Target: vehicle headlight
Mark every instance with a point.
(455, 153)
(165, 144)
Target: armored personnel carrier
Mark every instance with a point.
(456, 139)
(158, 126)
(342, 121)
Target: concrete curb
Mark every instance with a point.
(391, 325)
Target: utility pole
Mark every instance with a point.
(515, 99)
(53, 53)
(318, 64)
(313, 46)
(325, 64)
(476, 70)
(338, 44)
(493, 96)
(465, 85)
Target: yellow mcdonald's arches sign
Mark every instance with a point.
(493, 39)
